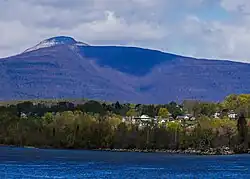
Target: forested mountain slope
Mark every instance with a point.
(61, 67)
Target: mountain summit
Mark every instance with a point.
(59, 40)
(61, 67)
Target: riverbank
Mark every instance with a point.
(211, 151)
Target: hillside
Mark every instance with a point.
(62, 67)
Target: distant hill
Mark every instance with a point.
(61, 67)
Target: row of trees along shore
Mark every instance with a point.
(90, 124)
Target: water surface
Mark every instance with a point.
(38, 163)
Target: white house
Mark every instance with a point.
(192, 119)
(185, 117)
(131, 120)
(145, 118)
(162, 121)
(23, 115)
(124, 119)
(216, 115)
(232, 115)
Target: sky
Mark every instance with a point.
(217, 29)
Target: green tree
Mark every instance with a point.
(242, 129)
(175, 109)
(48, 117)
(163, 112)
(132, 113)
(149, 110)
(93, 107)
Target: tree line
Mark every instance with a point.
(94, 124)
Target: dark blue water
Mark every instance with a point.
(36, 163)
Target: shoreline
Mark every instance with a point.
(211, 151)
(190, 151)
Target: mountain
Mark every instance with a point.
(61, 67)
(61, 40)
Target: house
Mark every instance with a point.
(192, 119)
(184, 117)
(131, 120)
(232, 115)
(124, 119)
(23, 115)
(162, 121)
(145, 118)
(216, 115)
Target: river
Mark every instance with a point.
(39, 163)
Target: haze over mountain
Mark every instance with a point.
(61, 67)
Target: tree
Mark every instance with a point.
(93, 107)
(175, 109)
(238, 103)
(48, 117)
(149, 110)
(26, 107)
(117, 106)
(174, 131)
(208, 109)
(204, 109)
(163, 112)
(242, 128)
(114, 121)
(131, 113)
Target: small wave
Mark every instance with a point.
(145, 168)
(23, 165)
(22, 175)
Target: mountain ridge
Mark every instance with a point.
(79, 43)
(116, 73)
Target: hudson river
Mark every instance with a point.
(37, 163)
